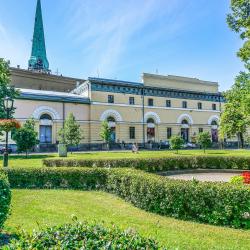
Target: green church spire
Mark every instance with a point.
(38, 60)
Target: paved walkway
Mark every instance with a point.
(224, 177)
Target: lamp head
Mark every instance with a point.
(8, 103)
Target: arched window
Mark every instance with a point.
(110, 119)
(45, 117)
(45, 129)
(150, 120)
(184, 122)
(214, 123)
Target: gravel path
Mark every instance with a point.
(224, 177)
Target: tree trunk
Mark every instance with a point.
(241, 140)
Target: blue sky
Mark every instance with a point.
(120, 39)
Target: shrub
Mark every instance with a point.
(158, 164)
(83, 236)
(176, 142)
(5, 198)
(237, 180)
(204, 139)
(213, 203)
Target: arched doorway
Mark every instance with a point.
(214, 131)
(185, 130)
(150, 130)
(112, 125)
(45, 129)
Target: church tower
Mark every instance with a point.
(38, 60)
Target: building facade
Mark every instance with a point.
(144, 112)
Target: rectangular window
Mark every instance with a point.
(150, 102)
(169, 133)
(214, 106)
(184, 104)
(199, 105)
(200, 130)
(132, 132)
(131, 100)
(168, 103)
(110, 99)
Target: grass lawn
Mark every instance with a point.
(36, 160)
(52, 207)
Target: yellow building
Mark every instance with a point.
(144, 112)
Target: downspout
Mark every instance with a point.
(143, 117)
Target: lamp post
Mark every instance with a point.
(8, 106)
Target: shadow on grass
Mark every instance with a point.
(30, 157)
(5, 238)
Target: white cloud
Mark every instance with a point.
(103, 29)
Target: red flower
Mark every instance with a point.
(246, 176)
(9, 124)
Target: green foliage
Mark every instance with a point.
(235, 117)
(105, 133)
(204, 139)
(157, 163)
(239, 21)
(26, 137)
(176, 143)
(238, 180)
(213, 203)
(83, 236)
(5, 198)
(5, 88)
(71, 134)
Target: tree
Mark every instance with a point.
(5, 88)
(239, 21)
(71, 134)
(204, 139)
(26, 137)
(176, 143)
(106, 132)
(235, 117)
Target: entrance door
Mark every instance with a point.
(214, 133)
(151, 134)
(185, 134)
(45, 134)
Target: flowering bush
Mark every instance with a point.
(9, 124)
(246, 177)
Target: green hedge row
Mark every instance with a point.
(158, 164)
(5, 198)
(213, 203)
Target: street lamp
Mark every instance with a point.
(8, 106)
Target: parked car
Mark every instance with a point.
(190, 145)
(2, 150)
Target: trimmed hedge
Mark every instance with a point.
(83, 236)
(213, 203)
(5, 198)
(158, 164)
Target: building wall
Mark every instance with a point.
(177, 82)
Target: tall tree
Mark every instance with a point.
(239, 21)
(26, 137)
(235, 117)
(71, 134)
(5, 88)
